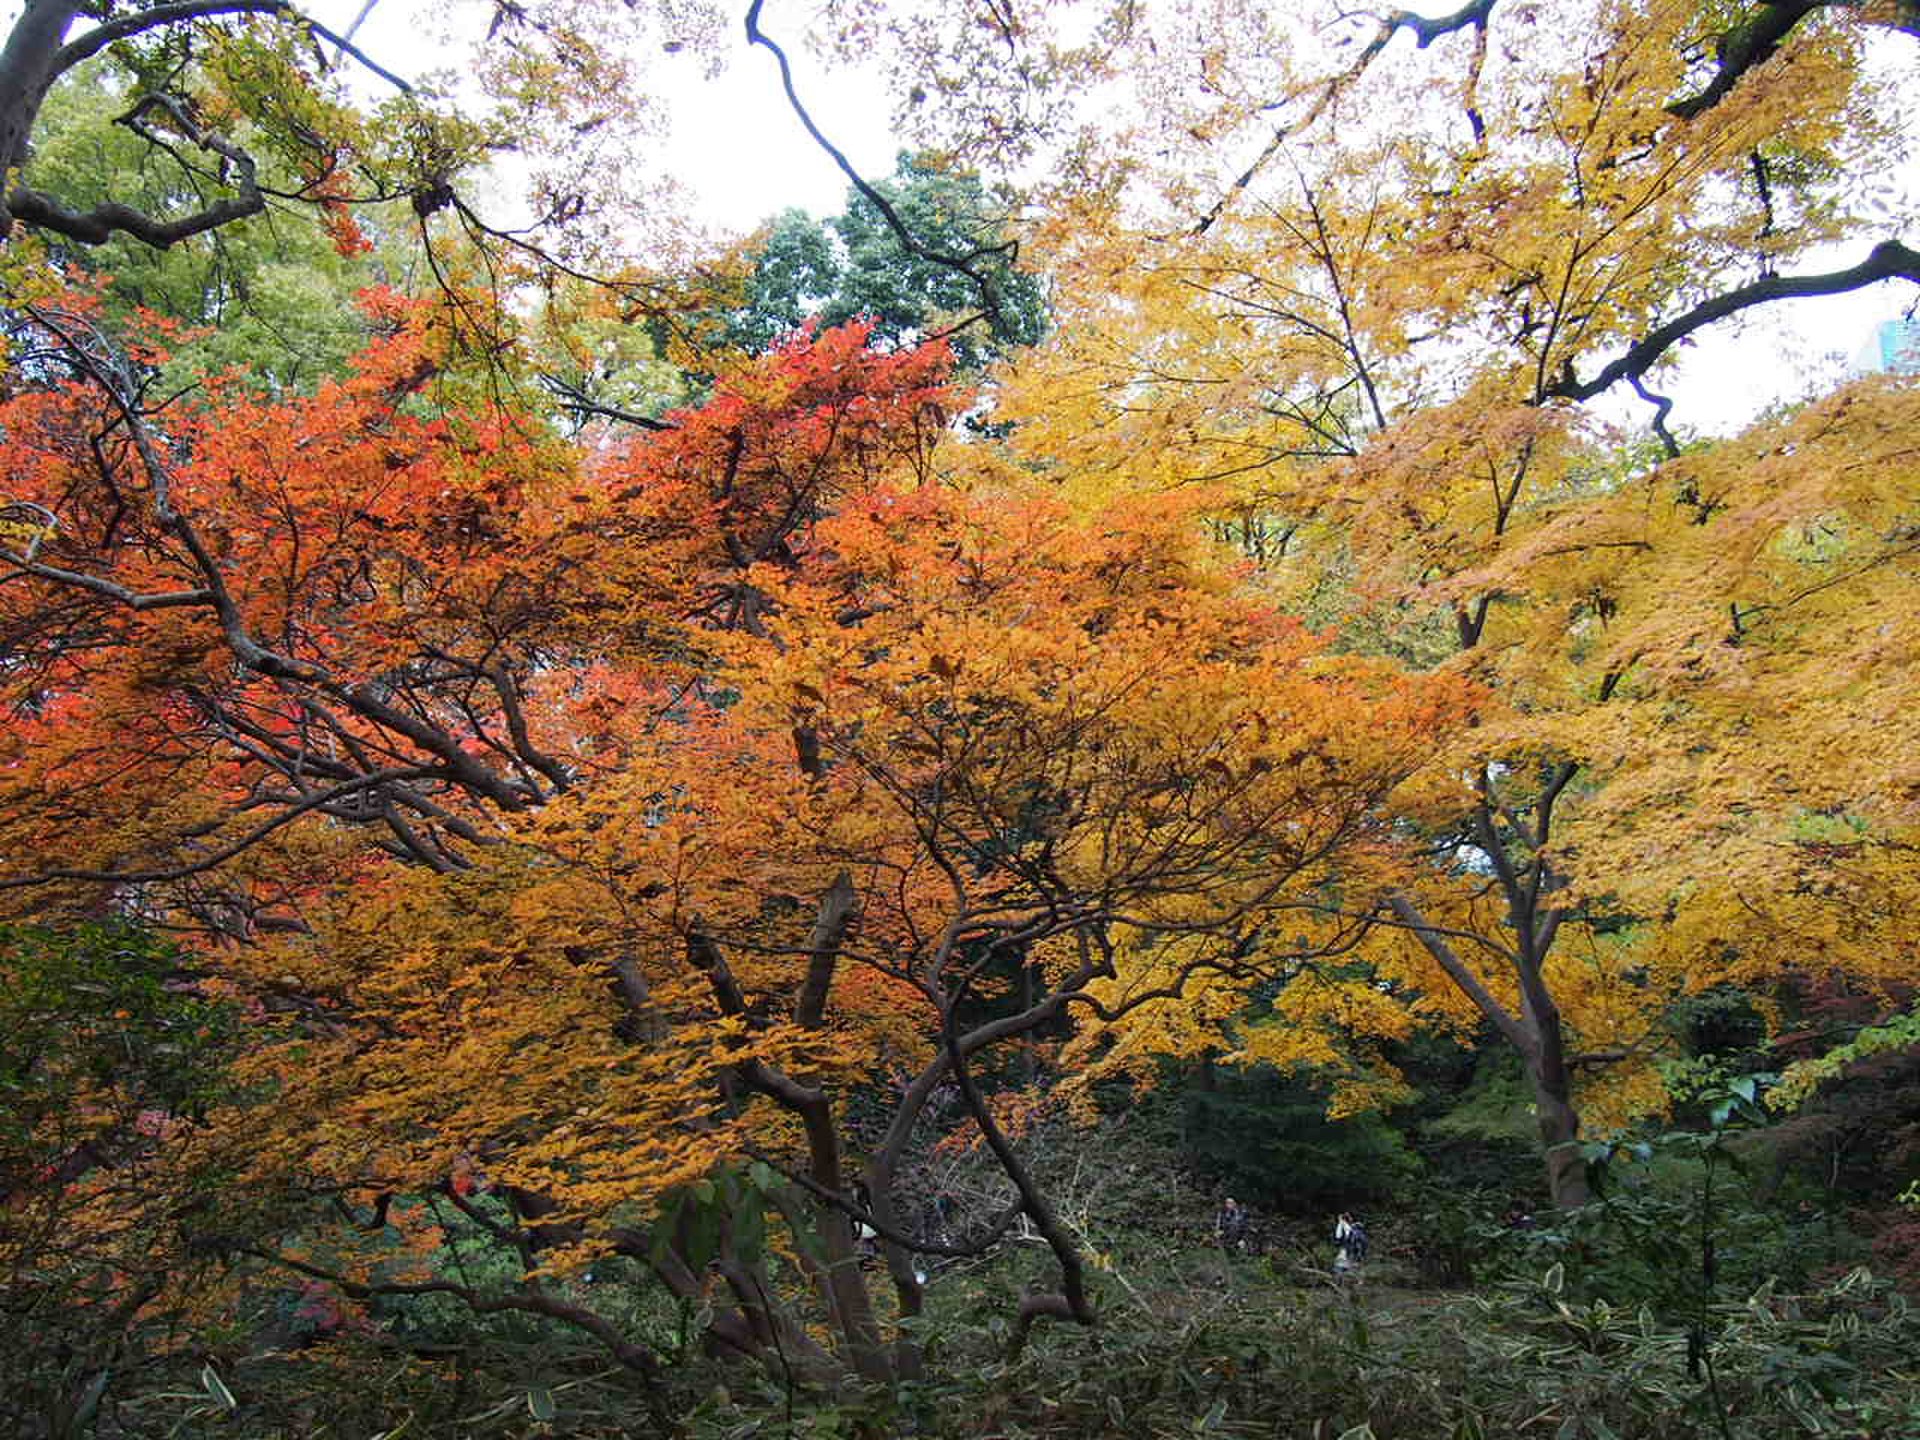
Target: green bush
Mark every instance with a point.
(1265, 1138)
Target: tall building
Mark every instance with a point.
(1894, 346)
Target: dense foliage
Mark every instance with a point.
(606, 835)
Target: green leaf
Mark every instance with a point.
(540, 1403)
(1555, 1279)
(750, 1232)
(703, 1237)
(662, 1238)
(810, 1243)
(217, 1388)
(90, 1397)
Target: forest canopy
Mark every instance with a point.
(565, 772)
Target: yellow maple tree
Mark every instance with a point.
(1374, 345)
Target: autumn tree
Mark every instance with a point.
(217, 89)
(1380, 334)
(726, 774)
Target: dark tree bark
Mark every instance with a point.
(1514, 845)
(38, 52)
(26, 74)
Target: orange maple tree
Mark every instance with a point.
(608, 830)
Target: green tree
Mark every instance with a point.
(270, 296)
(108, 1058)
(856, 264)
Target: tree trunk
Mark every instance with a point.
(1559, 1122)
(1560, 1138)
(26, 70)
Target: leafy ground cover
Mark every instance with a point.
(1601, 1328)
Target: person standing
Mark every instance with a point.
(1350, 1241)
(1230, 1225)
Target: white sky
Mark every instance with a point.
(1778, 352)
(741, 150)
(744, 156)
(741, 156)
(735, 146)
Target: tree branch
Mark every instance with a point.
(219, 857)
(1746, 47)
(635, 1357)
(576, 401)
(1459, 972)
(156, 16)
(1889, 260)
(965, 265)
(119, 594)
(97, 226)
(1071, 1303)
(1425, 31)
(823, 946)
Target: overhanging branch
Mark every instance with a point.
(1889, 260)
(967, 265)
(1425, 30)
(1745, 47)
(97, 226)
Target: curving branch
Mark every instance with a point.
(97, 226)
(967, 265)
(1747, 46)
(155, 17)
(577, 402)
(1427, 29)
(37, 53)
(635, 1357)
(1424, 29)
(1889, 260)
(317, 800)
(1071, 1301)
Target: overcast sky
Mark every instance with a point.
(735, 144)
(743, 156)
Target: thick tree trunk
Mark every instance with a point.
(26, 70)
(1560, 1138)
(1545, 1056)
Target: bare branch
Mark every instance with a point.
(576, 401)
(966, 265)
(1889, 260)
(637, 1358)
(1425, 31)
(1462, 975)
